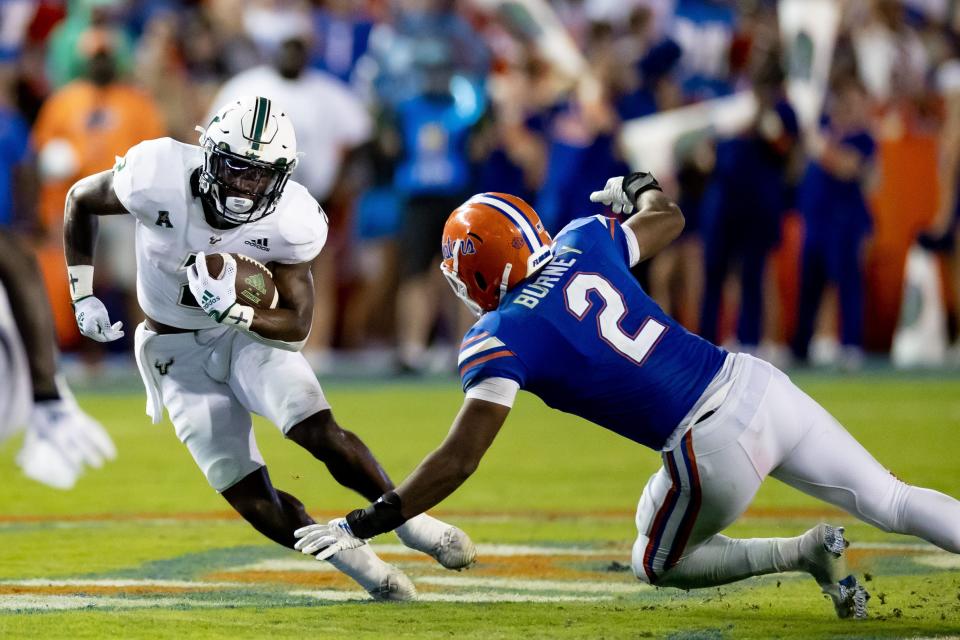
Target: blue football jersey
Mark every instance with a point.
(585, 337)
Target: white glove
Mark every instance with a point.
(328, 539)
(94, 321)
(61, 440)
(215, 295)
(614, 196)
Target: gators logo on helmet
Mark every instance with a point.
(490, 243)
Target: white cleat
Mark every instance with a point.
(384, 582)
(395, 587)
(849, 598)
(822, 550)
(456, 550)
(447, 544)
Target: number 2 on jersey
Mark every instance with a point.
(577, 297)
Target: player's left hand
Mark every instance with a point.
(328, 539)
(614, 196)
(214, 295)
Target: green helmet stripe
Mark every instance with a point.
(262, 110)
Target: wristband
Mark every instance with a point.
(239, 316)
(81, 281)
(380, 517)
(637, 183)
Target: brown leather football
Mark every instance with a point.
(254, 282)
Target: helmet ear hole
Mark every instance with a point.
(481, 281)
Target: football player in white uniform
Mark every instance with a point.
(211, 363)
(61, 440)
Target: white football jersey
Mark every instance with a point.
(156, 182)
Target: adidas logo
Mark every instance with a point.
(209, 299)
(259, 243)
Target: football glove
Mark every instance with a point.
(215, 295)
(621, 193)
(327, 539)
(94, 321)
(61, 441)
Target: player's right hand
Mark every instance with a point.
(94, 321)
(614, 196)
(327, 539)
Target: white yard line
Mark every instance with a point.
(122, 582)
(896, 546)
(350, 596)
(939, 561)
(60, 602)
(575, 586)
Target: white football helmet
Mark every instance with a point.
(250, 150)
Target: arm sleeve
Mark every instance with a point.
(603, 234)
(483, 356)
(623, 240)
(501, 391)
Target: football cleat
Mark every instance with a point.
(821, 550)
(381, 580)
(395, 587)
(447, 544)
(849, 598)
(456, 550)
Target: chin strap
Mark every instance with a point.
(505, 279)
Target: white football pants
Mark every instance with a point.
(210, 381)
(764, 425)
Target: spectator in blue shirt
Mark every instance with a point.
(743, 206)
(17, 183)
(836, 220)
(342, 35)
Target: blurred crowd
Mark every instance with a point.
(795, 240)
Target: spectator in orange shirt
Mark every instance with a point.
(79, 131)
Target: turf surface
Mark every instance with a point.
(143, 548)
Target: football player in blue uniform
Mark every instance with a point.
(566, 320)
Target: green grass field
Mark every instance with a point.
(143, 548)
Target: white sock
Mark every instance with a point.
(720, 560)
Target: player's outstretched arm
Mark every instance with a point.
(439, 475)
(88, 199)
(455, 460)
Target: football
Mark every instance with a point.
(254, 281)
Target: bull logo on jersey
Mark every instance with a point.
(467, 247)
(163, 367)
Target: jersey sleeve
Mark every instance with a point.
(142, 178)
(303, 226)
(604, 233)
(485, 355)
